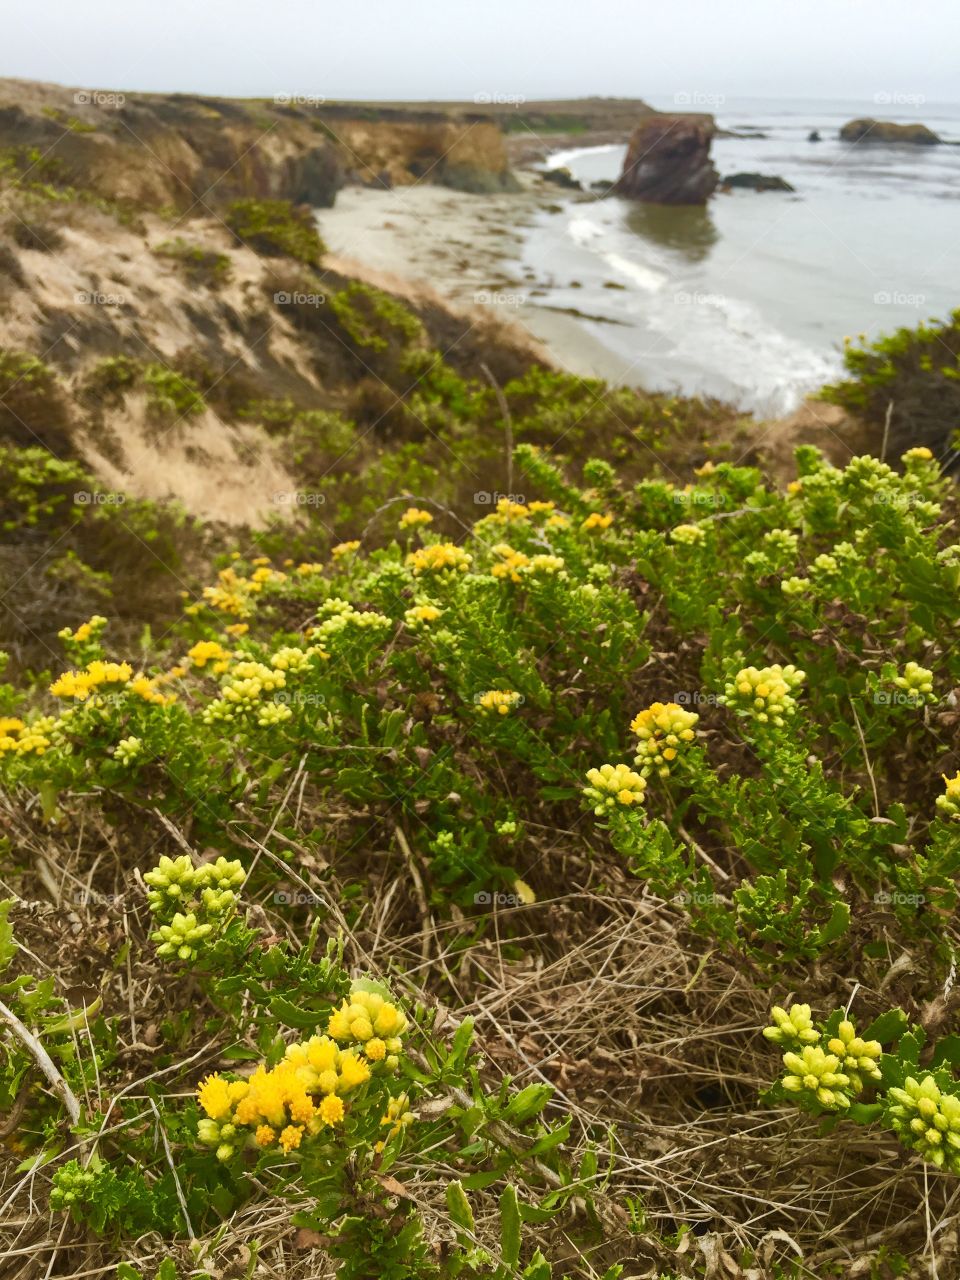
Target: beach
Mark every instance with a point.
(468, 248)
(747, 299)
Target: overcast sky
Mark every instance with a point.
(651, 49)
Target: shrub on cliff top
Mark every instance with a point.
(917, 371)
(276, 228)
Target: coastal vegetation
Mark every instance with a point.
(522, 842)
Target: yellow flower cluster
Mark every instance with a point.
(337, 615)
(420, 614)
(370, 1020)
(211, 651)
(439, 558)
(662, 729)
(612, 785)
(301, 1095)
(515, 565)
(498, 701)
(765, 694)
(927, 1119)
(344, 549)
(414, 516)
(688, 535)
(817, 1074)
(949, 802)
(792, 1027)
(232, 594)
(859, 1059)
(293, 658)
(242, 691)
(596, 521)
(89, 630)
(80, 685)
(917, 683)
(21, 738)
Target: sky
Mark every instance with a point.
(884, 50)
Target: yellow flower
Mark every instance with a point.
(414, 516)
(344, 549)
(421, 613)
(524, 892)
(510, 510)
(499, 701)
(290, 1137)
(662, 729)
(213, 1094)
(375, 1049)
(205, 651)
(538, 508)
(237, 628)
(688, 535)
(766, 695)
(949, 802)
(331, 1109)
(558, 522)
(264, 1135)
(596, 521)
(613, 785)
(439, 557)
(353, 1072)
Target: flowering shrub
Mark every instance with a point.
(450, 719)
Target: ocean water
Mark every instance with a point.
(749, 298)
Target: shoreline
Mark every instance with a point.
(466, 248)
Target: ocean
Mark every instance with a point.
(749, 298)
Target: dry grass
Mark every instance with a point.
(649, 1038)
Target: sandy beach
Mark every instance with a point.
(467, 247)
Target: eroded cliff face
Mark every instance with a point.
(192, 153)
(166, 151)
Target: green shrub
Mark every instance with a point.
(912, 374)
(276, 228)
(201, 265)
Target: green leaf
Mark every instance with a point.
(836, 926)
(552, 1139)
(126, 1272)
(946, 1051)
(528, 1103)
(889, 1026)
(510, 1225)
(292, 1015)
(167, 1270)
(458, 1207)
(538, 1268)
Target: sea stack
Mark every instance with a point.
(668, 161)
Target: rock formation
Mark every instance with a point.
(668, 161)
(756, 182)
(867, 130)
